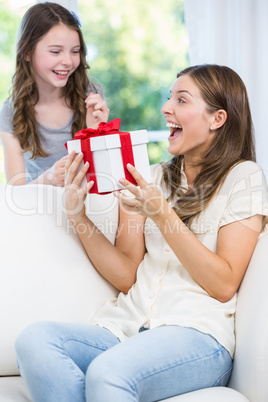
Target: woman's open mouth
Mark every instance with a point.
(175, 130)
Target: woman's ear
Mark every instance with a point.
(219, 118)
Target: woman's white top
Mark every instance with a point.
(164, 292)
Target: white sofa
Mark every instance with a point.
(46, 275)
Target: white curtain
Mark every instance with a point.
(235, 33)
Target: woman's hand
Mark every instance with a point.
(97, 110)
(148, 201)
(75, 195)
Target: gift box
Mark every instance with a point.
(108, 152)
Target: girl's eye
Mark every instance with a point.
(54, 52)
(181, 100)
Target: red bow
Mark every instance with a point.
(103, 128)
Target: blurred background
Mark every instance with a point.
(134, 49)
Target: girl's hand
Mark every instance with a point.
(148, 201)
(75, 195)
(97, 110)
(56, 174)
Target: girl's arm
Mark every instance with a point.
(221, 273)
(118, 264)
(14, 161)
(15, 167)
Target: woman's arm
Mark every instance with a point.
(118, 264)
(221, 273)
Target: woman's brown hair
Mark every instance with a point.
(37, 21)
(221, 88)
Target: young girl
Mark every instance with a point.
(51, 99)
(182, 249)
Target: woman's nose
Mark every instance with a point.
(166, 107)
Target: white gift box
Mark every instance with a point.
(107, 158)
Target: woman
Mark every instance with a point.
(182, 249)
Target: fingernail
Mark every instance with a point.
(80, 154)
(122, 180)
(129, 165)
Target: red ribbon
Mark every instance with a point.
(106, 129)
(103, 129)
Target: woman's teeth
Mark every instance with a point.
(172, 125)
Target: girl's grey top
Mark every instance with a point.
(52, 141)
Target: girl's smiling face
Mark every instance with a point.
(56, 56)
(188, 119)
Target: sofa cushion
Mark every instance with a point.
(45, 272)
(216, 394)
(13, 389)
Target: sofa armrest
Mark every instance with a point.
(250, 369)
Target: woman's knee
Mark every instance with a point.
(33, 341)
(96, 371)
(106, 382)
(100, 372)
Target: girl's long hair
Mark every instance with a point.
(221, 88)
(37, 21)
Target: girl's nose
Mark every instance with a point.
(66, 59)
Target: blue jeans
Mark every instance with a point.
(63, 362)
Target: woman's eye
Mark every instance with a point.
(54, 52)
(181, 100)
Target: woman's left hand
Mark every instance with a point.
(148, 201)
(75, 195)
(97, 110)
